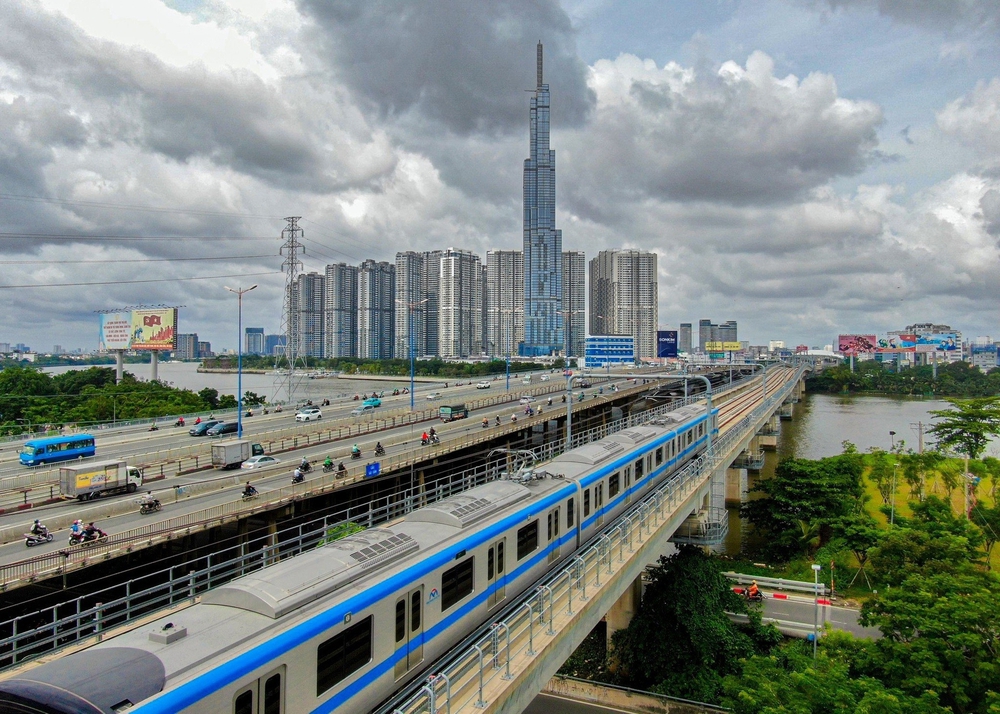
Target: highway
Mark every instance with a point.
(194, 494)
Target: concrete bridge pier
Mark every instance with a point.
(623, 610)
(737, 484)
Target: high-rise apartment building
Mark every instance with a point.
(376, 309)
(432, 308)
(543, 328)
(684, 338)
(309, 309)
(187, 346)
(727, 331)
(624, 289)
(274, 345)
(504, 302)
(411, 305)
(461, 307)
(340, 317)
(254, 341)
(705, 333)
(574, 297)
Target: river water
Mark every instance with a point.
(185, 375)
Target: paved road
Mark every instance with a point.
(551, 704)
(798, 612)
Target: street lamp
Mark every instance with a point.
(816, 568)
(239, 357)
(409, 307)
(892, 435)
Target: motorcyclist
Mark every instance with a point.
(513, 418)
(753, 591)
(197, 421)
(249, 412)
(91, 531)
(424, 439)
(379, 448)
(304, 465)
(355, 451)
(38, 529)
(433, 434)
(498, 420)
(486, 422)
(297, 476)
(341, 469)
(77, 528)
(147, 499)
(549, 401)
(180, 421)
(328, 463)
(249, 490)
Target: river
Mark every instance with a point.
(185, 375)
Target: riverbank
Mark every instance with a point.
(222, 370)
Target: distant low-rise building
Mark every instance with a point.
(605, 350)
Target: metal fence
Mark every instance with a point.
(41, 631)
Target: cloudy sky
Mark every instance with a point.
(806, 167)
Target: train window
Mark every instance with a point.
(400, 620)
(527, 539)
(569, 513)
(490, 567)
(613, 485)
(415, 610)
(586, 503)
(690, 436)
(342, 655)
(639, 470)
(659, 456)
(244, 703)
(272, 694)
(456, 583)
(500, 558)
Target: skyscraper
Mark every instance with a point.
(340, 319)
(254, 341)
(543, 329)
(629, 279)
(574, 277)
(376, 309)
(684, 338)
(705, 334)
(411, 305)
(309, 321)
(504, 302)
(461, 310)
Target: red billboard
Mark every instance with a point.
(856, 344)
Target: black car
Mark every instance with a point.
(583, 384)
(223, 427)
(200, 429)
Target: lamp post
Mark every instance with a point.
(239, 357)
(816, 568)
(409, 307)
(892, 436)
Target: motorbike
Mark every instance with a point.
(149, 506)
(305, 467)
(380, 450)
(756, 597)
(327, 468)
(486, 423)
(85, 539)
(355, 454)
(277, 409)
(154, 427)
(298, 477)
(432, 439)
(179, 422)
(251, 495)
(31, 539)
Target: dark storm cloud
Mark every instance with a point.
(234, 119)
(463, 65)
(934, 14)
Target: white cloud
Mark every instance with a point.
(975, 119)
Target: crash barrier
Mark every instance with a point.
(779, 583)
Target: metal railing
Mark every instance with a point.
(466, 678)
(779, 583)
(41, 631)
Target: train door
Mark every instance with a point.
(628, 485)
(496, 574)
(599, 504)
(554, 534)
(409, 631)
(262, 696)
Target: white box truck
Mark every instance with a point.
(88, 481)
(230, 454)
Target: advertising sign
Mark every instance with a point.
(154, 329)
(940, 342)
(723, 346)
(856, 344)
(666, 343)
(116, 331)
(898, 343)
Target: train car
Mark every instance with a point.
(341, 627)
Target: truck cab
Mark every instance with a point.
(453, 412)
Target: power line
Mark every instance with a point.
(130, 260)
(133, 282)
(130, 207)
(143, 239)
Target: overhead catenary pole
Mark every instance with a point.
(239, 356)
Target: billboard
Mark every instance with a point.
(154, 329)
(116, 331)
(666, 343)
(856, 344)
(939, 342)
(898, 343)
(723, 346)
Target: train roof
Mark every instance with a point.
(464, 509)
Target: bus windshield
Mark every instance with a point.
(28, 450)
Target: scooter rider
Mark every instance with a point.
(328, 463)
(304, 465)
(298, 476)
(355, 451)
(249, 490)
(38, 529)
(77, 528)
(91, 531)
(379, 449)
(147, 499)
(753, 591)
(341, 469)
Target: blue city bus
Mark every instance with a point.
(56, 448)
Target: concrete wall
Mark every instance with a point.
(616, 698)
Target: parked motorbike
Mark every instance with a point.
(31, 539)
(149, 506)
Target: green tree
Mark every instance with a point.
(882, 473)
(681, 642)
(967, 427)
(227, 401)
(860, 533)
(210, 397)
(940, 633)
(988, 520)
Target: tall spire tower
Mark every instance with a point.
(543, 319)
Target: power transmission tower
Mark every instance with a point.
(290, 250)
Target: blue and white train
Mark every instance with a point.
(342, 627)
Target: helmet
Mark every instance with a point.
(37, 521)
(78, 521)
(754, 582)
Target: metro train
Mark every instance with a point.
(343, 626)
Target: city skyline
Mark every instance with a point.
(806, 169)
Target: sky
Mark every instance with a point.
(805, 167)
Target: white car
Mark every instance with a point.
(483, 385)
(309, 414)
(544, 378)
(259, 462)
(434, 395)
(527, 399)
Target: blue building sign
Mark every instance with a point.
(666, 343)
(609, 350)
(373, 470)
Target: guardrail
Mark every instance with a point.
(88, 616)
(779, 583)
(464, 678)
